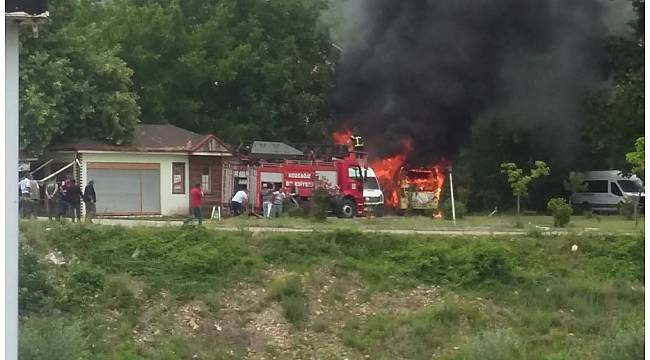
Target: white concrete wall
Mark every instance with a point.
(9, 159)
(170, 204)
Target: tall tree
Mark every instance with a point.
(615, 116)
(243, 69)
(71, 86)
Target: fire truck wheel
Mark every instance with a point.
(347, 209)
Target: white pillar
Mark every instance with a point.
(9, 198)
(451, 187)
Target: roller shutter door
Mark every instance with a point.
(125, 188)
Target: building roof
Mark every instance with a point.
(261, 148)
(150, 138)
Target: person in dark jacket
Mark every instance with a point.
(89, 201)
(63, 200)
(74, 196)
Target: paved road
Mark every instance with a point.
(476, 231)
(262, 229)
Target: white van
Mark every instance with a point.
(372, 194)
(607, 189)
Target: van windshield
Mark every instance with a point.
(371, 183)
(630, 186)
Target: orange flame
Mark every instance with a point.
(342, 137)
(386, 171)
(393, 174)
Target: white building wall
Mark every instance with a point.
(170, 204)
(9, 197)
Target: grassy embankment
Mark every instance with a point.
(188, 293)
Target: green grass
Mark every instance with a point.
(150, 293)
(289, 293)
(602, 224)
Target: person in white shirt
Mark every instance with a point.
(278, 200)
(238, 201)
(25, 196)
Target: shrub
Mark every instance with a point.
(626, 208)
(288, 291)
(494, 345)
(320, 204)
(86, 280)
(34, 288)
(560, 210)
(461, 209)
(51, 338)
(82, 282)
(625, 344)
(483, 261)
(117, 295)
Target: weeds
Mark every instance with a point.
(289, 293)
(494, 345)
(52, 338)
(530, 291)
(626, 343)
(415, 336)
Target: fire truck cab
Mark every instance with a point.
(344, 179)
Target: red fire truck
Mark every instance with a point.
(345, 177)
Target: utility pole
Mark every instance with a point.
(451, 187)
(17, 14)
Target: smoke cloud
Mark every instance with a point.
(429, 69)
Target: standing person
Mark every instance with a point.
(74, 199)
(267, 200)
(34, 196)
(197, 202)
(239, 201)
(63, 200)
(25, 196)
(278, 200)
(89, 201)
(51, 195)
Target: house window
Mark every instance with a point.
(205, 180)
(178, 178)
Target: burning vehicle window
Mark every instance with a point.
(422, 180)
(630, 186)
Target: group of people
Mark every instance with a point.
(60, 200)
(237, 204)
(272, 200)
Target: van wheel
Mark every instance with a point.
(347, 209)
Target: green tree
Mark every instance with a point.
(519, 181)
(636, 158)
(243, 69)
(575, 183)
(615, 115)
(71, 87)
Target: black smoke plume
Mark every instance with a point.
(429, 69)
